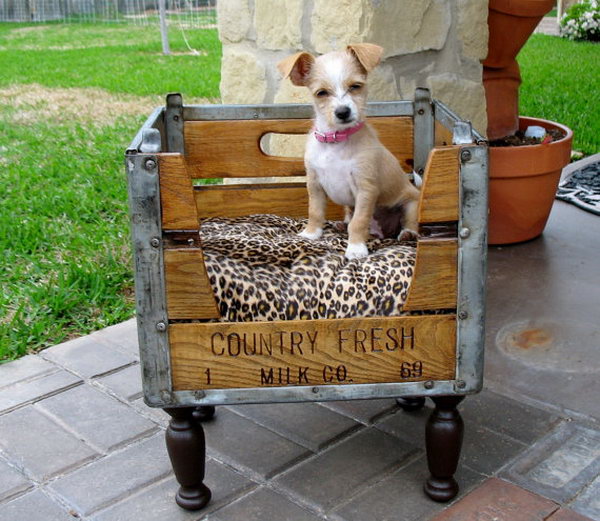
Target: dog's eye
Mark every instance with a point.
(321, 93)
(356, 86)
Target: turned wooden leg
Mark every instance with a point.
(411, 403)
(204, 413)
(186, 448)
(443, 438)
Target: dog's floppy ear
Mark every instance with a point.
(297, 67)
(368, 54)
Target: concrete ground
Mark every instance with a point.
(77, 441)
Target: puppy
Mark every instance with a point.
(344, 158)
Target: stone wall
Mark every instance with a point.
(428, 43)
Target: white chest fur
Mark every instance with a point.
(334, 165)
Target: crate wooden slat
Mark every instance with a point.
(189, 293)
(439, 193)
(312, 352)
(285, 199)
(434, 283)
(219, 149)
(176, 194)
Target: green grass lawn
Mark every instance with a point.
(66, 266)
(561, 83)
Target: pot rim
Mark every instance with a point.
(525, 121)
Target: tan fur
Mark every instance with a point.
(339, 79)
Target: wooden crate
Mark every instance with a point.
(189, 359)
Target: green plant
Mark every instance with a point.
(582, 21)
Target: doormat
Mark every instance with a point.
(582, 188)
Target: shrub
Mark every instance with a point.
(582, 21)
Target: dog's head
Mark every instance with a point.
(337, 81)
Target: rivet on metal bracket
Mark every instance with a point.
(161, 326)
(464, 233)
(465, 156)
(429, 384)
(150, 164)
(463, 315)
(199, 394)
(155, 242)
(461, 384)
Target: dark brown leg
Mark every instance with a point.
(186, 448)
(204, 413)
(411, 403)
(443, 438)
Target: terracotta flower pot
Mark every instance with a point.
(510, 23)
(523, 182)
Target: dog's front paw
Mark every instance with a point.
(313, 236)
(408, 235)
(356, 251)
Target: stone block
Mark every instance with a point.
(100, 420)
(27, 391)
(233, 20)
(587, 502)
(560, 465)
(87, 357)
(517, 420)
(36, 444)
(472, 28)
(566, 514)
(363, 411)
(262, 505)
(243, 76)
(382, 84)
(35, 506)
(243, 444)
(400, 496)
(278, 23)
(25, 368)
(124, 336)
(487, 451)
(12, 482)
(125, 383)
(409, 27)
(341, 471)
(115, 477)
(307, 424)
(157, 502)
(399, 27)
(465, 97)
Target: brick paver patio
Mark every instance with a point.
(77, 441)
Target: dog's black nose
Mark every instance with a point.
(342, 112)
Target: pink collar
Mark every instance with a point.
(338, 135)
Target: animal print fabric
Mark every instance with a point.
(260, 269)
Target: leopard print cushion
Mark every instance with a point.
(260, 269)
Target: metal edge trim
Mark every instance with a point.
(472, 259)
(447, 117)
(285, 110)
(151, 122)
(150, 291)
